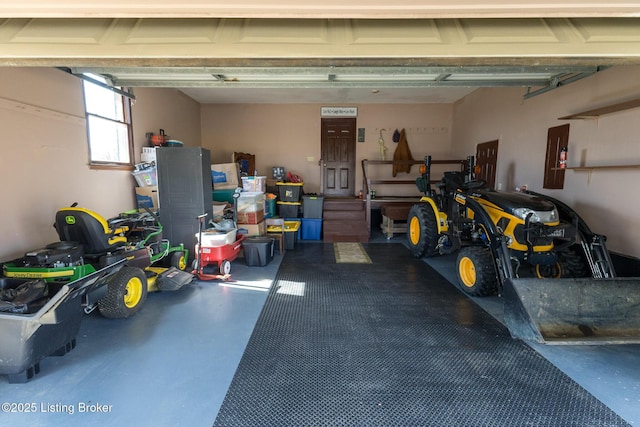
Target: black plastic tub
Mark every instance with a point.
(51, 330)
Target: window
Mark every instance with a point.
(108, 124)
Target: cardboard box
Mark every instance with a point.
(147, 197)
(148, 154)
(254, 217)
(225, 176)
(252, 229)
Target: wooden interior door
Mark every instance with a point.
(557, 139)
(338, 161)
(487, 160)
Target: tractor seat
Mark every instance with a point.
(453, 181)
(89, 229)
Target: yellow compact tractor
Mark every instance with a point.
(555, 275)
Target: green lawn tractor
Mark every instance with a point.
(89, 243)
(555, 275)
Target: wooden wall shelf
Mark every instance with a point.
(590, 169)
(596, 113)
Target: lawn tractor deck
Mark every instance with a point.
(44, 320)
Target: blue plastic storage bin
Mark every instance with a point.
(311, 228)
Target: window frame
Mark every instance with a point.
(125, 99)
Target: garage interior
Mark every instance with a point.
(253, 78)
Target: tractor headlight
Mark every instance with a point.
(537, 216)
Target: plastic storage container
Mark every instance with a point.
(312, 206)
(224, 195)
(146, 177)
(311, 229)
(291, 229)
(291, 233)
(299, 221)
(289, 191)
(213, 238)
(250, 208)
(258, 251)
(270, 205)
(254, 183)
(288, 209)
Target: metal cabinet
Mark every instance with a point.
(184, 192)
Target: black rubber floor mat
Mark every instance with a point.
(391, 344)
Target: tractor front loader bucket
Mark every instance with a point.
(573, 311)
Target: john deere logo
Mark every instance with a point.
(70, 219)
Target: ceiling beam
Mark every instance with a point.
(338, 70)
(336, 9)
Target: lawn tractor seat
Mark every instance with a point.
(89, 229)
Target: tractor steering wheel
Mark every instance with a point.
(475, 184)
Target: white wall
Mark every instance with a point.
(289, 134)
(168, 109)
(606, 199)
(44, 160)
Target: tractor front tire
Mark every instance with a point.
(476, 271)
(422, 230)
(178, 261)
(569, 264)
(126, 293)
(572, 264)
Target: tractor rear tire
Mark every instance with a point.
(476, 271)
(126, 293)
(422, 230)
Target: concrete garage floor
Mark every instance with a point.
(609, 372)
(173, 362)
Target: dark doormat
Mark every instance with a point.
(391, 343)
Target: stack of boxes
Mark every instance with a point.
(250, 209)
(250, 213)
(145, 174)
(312, 217)
(289, 199)
(225, 179)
